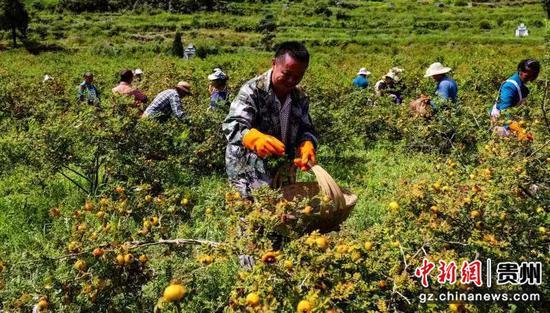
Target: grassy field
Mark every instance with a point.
(378, 151)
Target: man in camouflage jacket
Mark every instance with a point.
(270, 116)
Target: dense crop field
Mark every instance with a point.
(101, 210)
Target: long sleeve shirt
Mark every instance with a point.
(445, 90)
(88, 92)
(509, 95)
(166, 103)
(360, 81)
(257, 106)
(123, 88)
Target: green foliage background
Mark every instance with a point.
(55, 152)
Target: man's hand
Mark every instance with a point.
(306, 156)
(264, 145)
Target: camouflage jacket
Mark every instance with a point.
(256, 106)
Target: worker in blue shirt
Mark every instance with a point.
(361, 80)
(446, 89)
(513, 92)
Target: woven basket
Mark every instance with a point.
(326, 218)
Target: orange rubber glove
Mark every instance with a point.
(520, 132)
(264, 145)
(306, 153)
(515, 126)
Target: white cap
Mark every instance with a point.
(217, 75)
(436, 69)
(138, 71)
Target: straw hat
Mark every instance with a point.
(436, 69)
(363, 71)
(185, 86)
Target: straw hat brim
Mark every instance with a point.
(443, 70)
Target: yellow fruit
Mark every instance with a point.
(395, 244)
(288, 264)
(100, 214)
(467, 200)
(540, 210)
(307, 210)
(490, 238)
(252, 299)
(434, 209)
(88, 206)
(322, 243)
(502, 216)
(128, 259)
(184, 201)
(394, 205)
(304, 306)
(206, 259)
(148, 198)
(143, 258)
(236, 196)
(119, 259)
(82, 228)
(381, 284)
(174, 293)
(475, 214)
(368, 246)
(343, 248)
(455, 307)
(326, 199)
(146, 224)
(80, 265)
(98, 252)
(42, 305)
(228, 196)
(119, 189)
(155, 221)
(542, 230)
(437, 185)
(74, 246)
(269, 257)
(355, 256)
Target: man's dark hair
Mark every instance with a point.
(126, 76)
(529, 65)
(295, 49)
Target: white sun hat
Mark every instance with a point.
(363, 71)
(391, 74)
(397, 70)
(138, 71)
(436, 69)
(217, 75)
